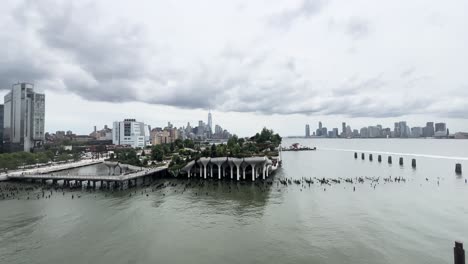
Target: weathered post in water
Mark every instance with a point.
(389, 159)
(363, 156)
(401, 161)
(458, 168)
(459, 253)
(355, 155)
(413, 163)
(370, 157)
(379, 158)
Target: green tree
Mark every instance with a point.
(157, 153)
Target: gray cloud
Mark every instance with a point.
(357, 28)
(64, 47)
(307, 9)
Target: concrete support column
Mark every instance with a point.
(204, 168)
(211, 171)
(219, 172)
(201, 173)
(253, 173)
(189, 172)
(238, 172)
(243, 173)
(264, 172)
(232, 176)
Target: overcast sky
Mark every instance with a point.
(255, 63)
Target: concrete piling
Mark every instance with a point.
(401, 161)
(458, 168)
(459, 253)
(413, 163)
(389, 159)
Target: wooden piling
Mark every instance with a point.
(370, 157)
(458, 168)
(355, 155)
(379, 158)
(459, 253)
(363, 157)
(413, 163)
(389, 159)
(401, 161)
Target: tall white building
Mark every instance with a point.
(130, 132)
(24, 114)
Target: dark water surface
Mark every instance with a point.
(415, 221)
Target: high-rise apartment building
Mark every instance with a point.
(429, 130)
(404, 129)
(307, 131)
(23, 123)
(1, 128)
(440, 130)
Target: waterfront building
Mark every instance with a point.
(343, 129)
(429, 130)
(1, 127)
(403, 129)
(307, 131)
(324, 132)
(355, 133)
(24, 114)
(373, 132)
(130, 132)
(335, 132)
(416, 132)
(386, 132)
(349, 132)
(364, 132)
(440, 130)
(396, 130)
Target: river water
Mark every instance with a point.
(416, 221)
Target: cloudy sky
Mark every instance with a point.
(255, 63)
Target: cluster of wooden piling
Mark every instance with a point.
(379, 159)
(458, 166)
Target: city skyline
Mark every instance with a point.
(401, 129)
(136, 57)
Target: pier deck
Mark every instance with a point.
(113, 178)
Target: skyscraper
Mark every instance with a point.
(404, 129)
(24, 113)
(440, 130)
(1, 128)
(429, 130)
(210, 121)
(307, 131)
(343, 127)
(397, 132)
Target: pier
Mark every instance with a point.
(231, 168)
(143, 173)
